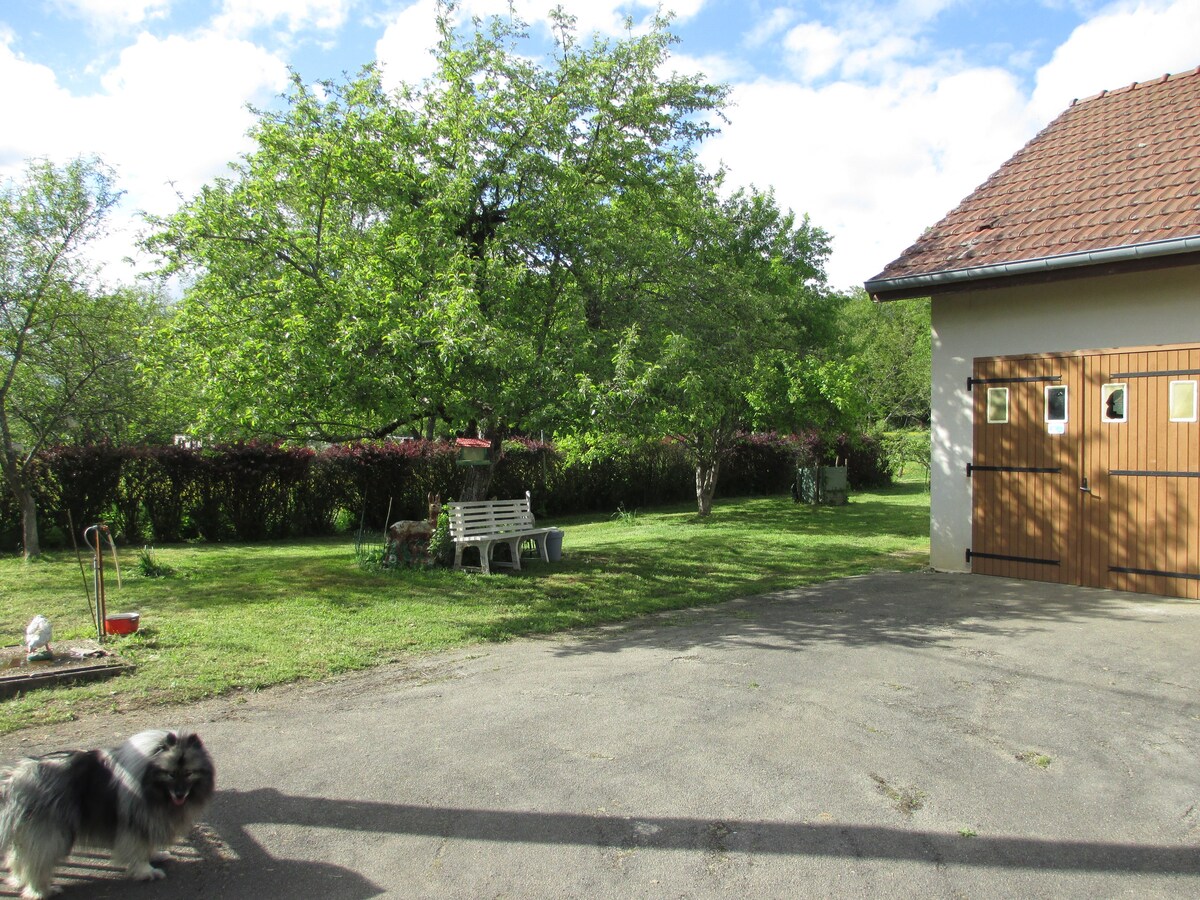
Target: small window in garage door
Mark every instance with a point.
(1056, 404)
(1183, 401)
(1112, 403)
(997, 406)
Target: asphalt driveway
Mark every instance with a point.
(900, 735)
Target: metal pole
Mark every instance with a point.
(102, 602)
(98, 578)
(82, 573)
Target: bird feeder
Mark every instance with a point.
(473, 452)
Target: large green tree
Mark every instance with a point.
(380, 262)
(66, 345)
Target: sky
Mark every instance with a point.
(872, 118)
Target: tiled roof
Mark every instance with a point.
(1118, 169)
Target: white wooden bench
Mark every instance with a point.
(485, 523)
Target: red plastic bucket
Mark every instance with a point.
(122, 623)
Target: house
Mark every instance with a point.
(1066, 351)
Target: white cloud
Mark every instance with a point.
(603, 16)
(239, 17)
(39, 103)
(1125, 43)
(873, 165)
(681, 9)
(715, 68)
(768, 27)
(166, 96)
(404, 50)
(815, 50)
(167, 119)
(861, 40)
(879, 137)
(882, 59)
(111, 15)
(173, 120)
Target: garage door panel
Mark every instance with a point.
(1151, 466)
(1107, 497)
(1022, 496)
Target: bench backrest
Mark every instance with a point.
(476, 518)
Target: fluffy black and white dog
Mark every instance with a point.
(136, 799)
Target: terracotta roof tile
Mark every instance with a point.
(1116, 169)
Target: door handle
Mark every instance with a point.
(1084, 487)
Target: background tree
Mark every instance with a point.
(66, 358)
(890, 345)
(736, 288)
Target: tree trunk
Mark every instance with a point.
(706, 484)
(29, 526)
(16, 478)
(478, 482)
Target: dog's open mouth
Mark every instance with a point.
(179, 798)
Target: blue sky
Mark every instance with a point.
(874, 118)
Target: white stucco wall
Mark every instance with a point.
(1142, 309)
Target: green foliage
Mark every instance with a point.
(526, 465)
(441, 546)
(890, 346)
(257, 481)
(163, 482)
(66, 345)
(371, 552)
(515, 245)
(710, 348)
(907, 448)
(868, 466)
(80, 482)
(601, 472)
(373, 476)
(378, 263)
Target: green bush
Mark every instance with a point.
(866, 461)
(441, 548)
(252, 491)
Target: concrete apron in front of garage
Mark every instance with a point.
(911, 735)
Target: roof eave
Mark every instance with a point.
(909, 286)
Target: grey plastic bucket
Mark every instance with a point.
(554, 539)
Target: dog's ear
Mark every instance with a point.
(170, 740)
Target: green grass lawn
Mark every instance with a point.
(241, 617)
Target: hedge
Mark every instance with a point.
(256, 490)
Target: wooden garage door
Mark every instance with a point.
(1086, 469)
(1025, 473)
